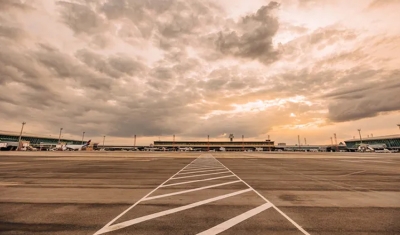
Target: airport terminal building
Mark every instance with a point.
(392, 142)
(9, 140)
(217, 145)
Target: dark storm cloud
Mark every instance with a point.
(114, 66)
(6, 5)
(21, 68)
(96, 61)
(253, 37)
(125, 64)
(12, 33)
(65, 66)
(81, 18)
(366, 99)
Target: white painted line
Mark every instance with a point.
(190, 176)
(124, 212)
(167, 212)
(194, 181)
(202, 168)
(191, 172)
(378, 161)
(276, 208)
(235, 220)
(190, 190)
(350, 160)
(357, 172)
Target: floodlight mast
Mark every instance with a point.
(20, 136)
(83, 136)
(59, 136)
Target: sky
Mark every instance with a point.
(157, 68)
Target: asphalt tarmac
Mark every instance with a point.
(199, 193)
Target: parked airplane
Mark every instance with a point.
(79, 147)
(371, 147)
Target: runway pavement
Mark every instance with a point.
(199, 193)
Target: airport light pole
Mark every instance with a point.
(359, 132)
(243, 143)
(59, 136)
(331, 142)
(337, 147)
(104, 139)
(398, 126)
(208, 142)
(173, 142)
(83, 136)
(298, 140)
(134, 141)
(20, 135)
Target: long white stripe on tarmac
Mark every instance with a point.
(203, 169)
(194, 181)
(191, 172)
(190, 190)
(235, 220)
(190, 176)
(167, 212)
(353, 173)
(276, 208)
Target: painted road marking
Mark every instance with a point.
(202, 168)
(235, 220)
(276, 208)
(9, 183)
(191, 176)
(125, 211)
(190, 190)
(193, 181)
(378, 161)
(357, 172)
(191, 172)
(367, 161)
(167, 212)
(219, 228)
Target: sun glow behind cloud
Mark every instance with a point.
(259, 106)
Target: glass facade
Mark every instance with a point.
(393, 143)
(36, 140)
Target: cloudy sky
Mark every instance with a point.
(155, 68)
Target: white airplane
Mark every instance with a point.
(185, 149)
(371, 147)
(74, 147)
